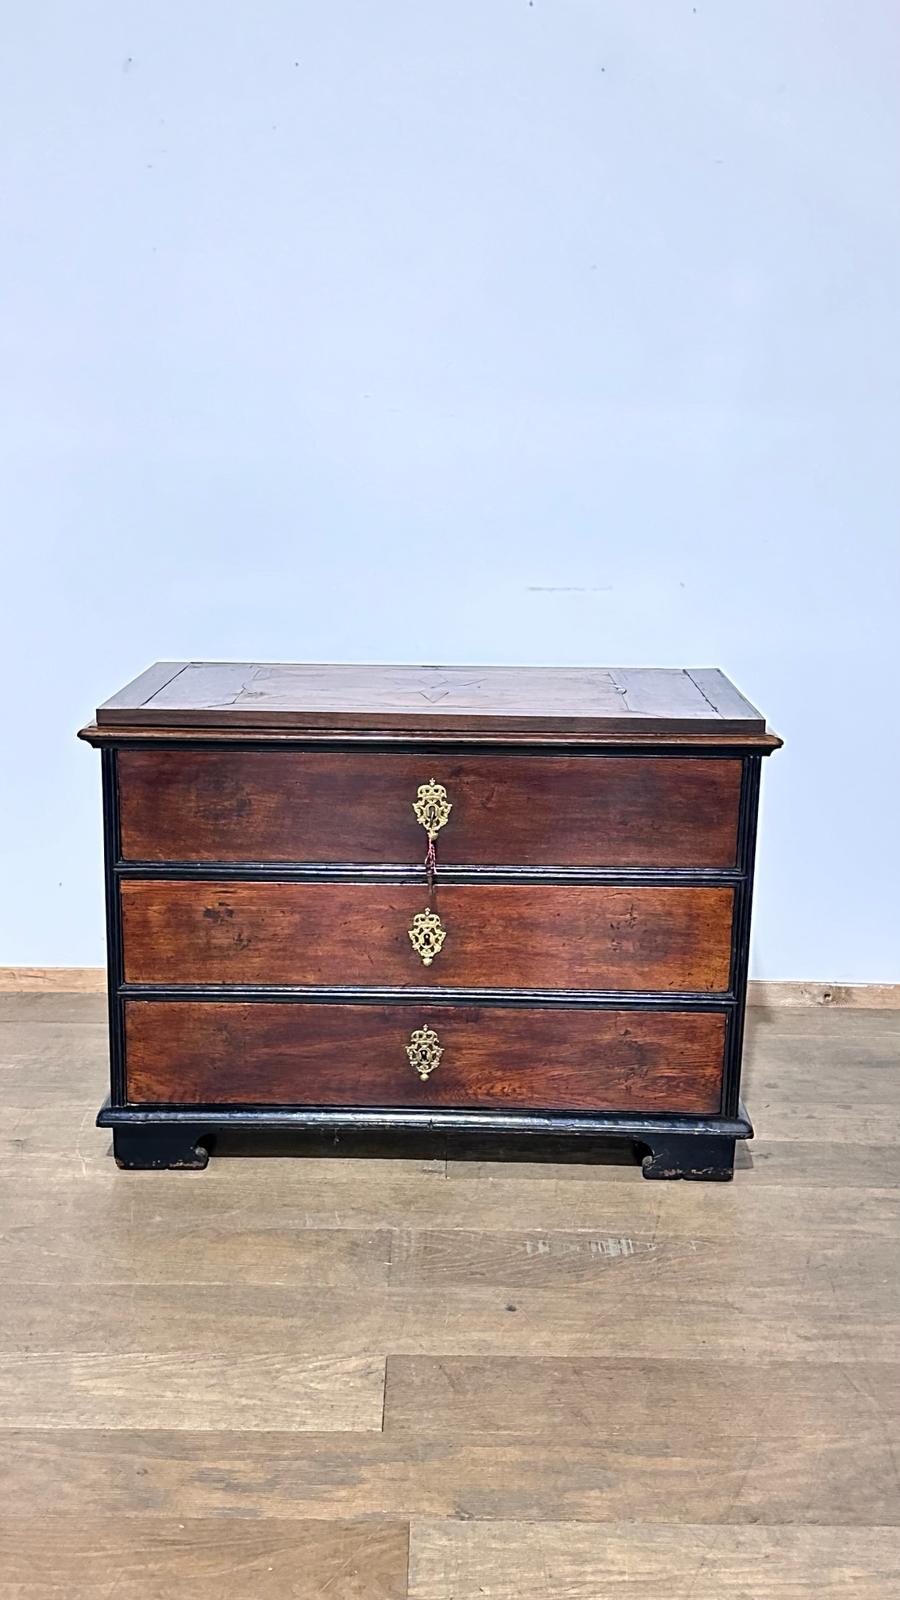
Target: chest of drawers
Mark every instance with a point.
(511, 899)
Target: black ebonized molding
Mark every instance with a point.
(339, 994)
(748, 816)
(114, 956)
(390, 1118)
(342, 872)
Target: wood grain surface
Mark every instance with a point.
(720, 1473)
(186, 1052)
(498, 936)
(80, 1389)
(528, 699)
(452, 1318)
(595, 1385)
(501, 1395)
(459, 1561)
(312, 806)
(167, 1558)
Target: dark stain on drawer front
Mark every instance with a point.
(497, 936)
(546, 810)
(278, 1053)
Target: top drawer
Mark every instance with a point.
(357, 807)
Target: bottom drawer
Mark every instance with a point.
(552, 1058)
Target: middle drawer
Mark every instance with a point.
(496, 936)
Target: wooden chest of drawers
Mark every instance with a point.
(458, 898)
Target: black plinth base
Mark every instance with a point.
(672, 1147)
(708, 1158)
(164, 1146)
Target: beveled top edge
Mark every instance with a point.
(764, 743)
(308, 697)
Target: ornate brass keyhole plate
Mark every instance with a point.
(427, 935)
(424, 1051)
(432, 808)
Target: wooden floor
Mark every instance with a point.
(360, 1375)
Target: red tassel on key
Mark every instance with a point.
(430, 863)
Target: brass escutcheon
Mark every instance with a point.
(426, 935)
(432, 807)
(424, 1051)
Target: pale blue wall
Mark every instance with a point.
(483, 331)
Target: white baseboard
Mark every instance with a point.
(761, 992)
(52, 980)
(857, 996)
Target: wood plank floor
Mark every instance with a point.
(443, 1376)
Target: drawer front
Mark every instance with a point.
(545, 810)
(265, 1053)
(496, 936)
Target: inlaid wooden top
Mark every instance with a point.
(563, 702)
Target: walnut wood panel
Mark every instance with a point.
(306, 695)
(262, 1053)
(508, 936)
(311, 806)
